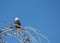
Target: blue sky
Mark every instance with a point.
(41, 14)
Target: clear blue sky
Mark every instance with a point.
(41, 14)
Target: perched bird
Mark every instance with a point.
(17, 24)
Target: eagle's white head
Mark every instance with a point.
(16, 18)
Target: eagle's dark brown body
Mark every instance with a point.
(17, 24)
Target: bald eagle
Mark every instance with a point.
(17, 24)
